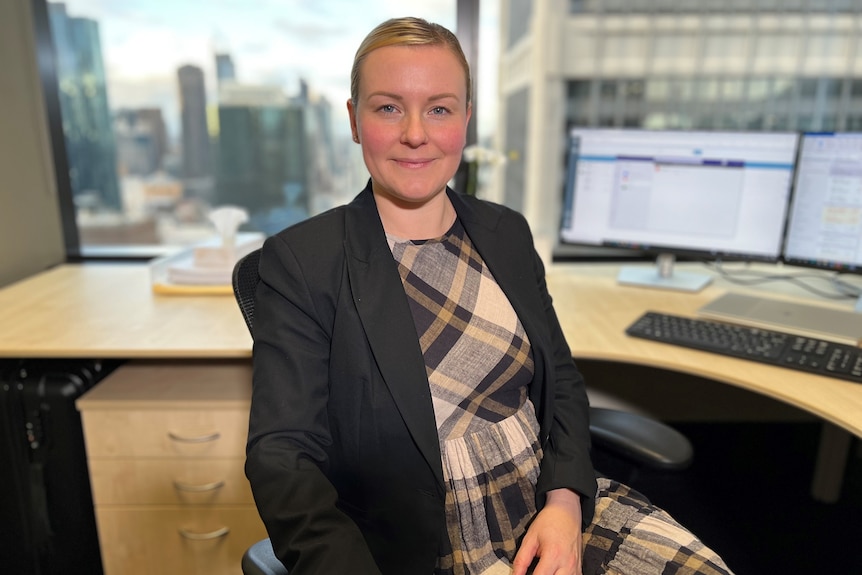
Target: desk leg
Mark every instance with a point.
(831, 461)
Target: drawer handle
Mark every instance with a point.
(199, 439)
(221, 532)
(180, 486)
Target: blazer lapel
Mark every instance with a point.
(385, 314)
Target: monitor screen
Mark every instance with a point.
(825, 225)
(681, 192)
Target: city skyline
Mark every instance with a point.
(270, 43)
(250, 144)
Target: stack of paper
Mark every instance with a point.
(209, 264)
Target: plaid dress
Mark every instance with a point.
(479, 366)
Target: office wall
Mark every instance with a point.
(31, 236)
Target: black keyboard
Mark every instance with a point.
(765, 346)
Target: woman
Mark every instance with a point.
(415, 408)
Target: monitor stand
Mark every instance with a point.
(663, 276)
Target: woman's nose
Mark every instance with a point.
(414, 133)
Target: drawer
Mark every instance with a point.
(169, 481)
(143, 541)
(165, 433)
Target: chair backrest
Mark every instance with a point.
(245, 278)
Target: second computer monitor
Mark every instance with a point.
(675, 192)
(825, 225)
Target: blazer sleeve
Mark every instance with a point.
(289, 434)
(566, 461)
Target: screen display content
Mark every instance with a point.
(679, 193)
(825, 225)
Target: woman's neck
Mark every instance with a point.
(422, 221)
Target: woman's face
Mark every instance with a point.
(411, 119)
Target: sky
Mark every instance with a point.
(271, 42)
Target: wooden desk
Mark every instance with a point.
(595, 311)
(109, 311)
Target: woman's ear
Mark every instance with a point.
(354, 126)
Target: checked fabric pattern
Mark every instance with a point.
(630, 536)
(479, 365)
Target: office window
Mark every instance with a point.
(706, 89)
(171, 108)
(520, 12)
(608, 90)
(808, 88)
(783, 89)
(633, 90)
(733, 89)
(657, 90)
(580, 89)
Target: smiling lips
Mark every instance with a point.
(413, 163)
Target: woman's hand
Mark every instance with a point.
(554, 537)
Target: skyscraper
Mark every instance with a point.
(195, 137)
(141, 140)
(90, 146)
(265, 154)
(225, 69)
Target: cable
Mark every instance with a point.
(842, 285)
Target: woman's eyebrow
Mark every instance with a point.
(434, 98)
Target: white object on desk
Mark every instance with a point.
(841, 325)
(208, 265)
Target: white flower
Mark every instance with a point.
(483, 156)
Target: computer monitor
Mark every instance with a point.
(824, 229)
(674, 192)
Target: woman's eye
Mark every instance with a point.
(387, 108)
(438, 110)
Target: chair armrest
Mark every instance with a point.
(259, 559)
(644, 440)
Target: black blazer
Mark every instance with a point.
(343, 455)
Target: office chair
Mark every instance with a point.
(640, 440)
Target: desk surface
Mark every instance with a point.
(594, 312)
(109, 310)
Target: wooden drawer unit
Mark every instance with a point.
(166, 449)
(174, 541)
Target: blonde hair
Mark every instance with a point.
(408, 32)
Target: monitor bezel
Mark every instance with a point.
(827, 265)
(679, 251)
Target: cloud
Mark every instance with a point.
(308, 33)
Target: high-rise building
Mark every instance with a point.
(264, 156)
(197, 161)
(141, 140)
(225, 70)
(759, 65)
(87, 127)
